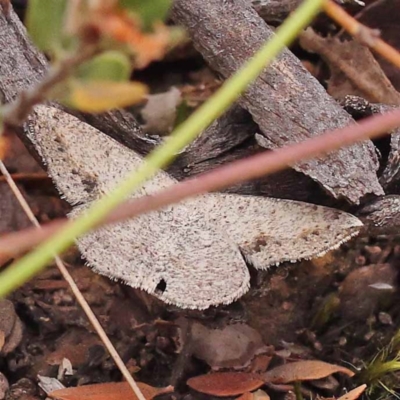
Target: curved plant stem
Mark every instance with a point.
(34, 262)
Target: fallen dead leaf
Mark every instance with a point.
(107, 391)
(226, 383)
(353, 394)
(303, 371)
(354, 69)
(119, 26)
(96, 97)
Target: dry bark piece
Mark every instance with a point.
(287, 103)
(107, 391)
(361, 108)
(382, 213)
(303, 371)
(192, 248)
(390, 176)
(274, 11)
(231, 137)
(353, 68)
(224, 384)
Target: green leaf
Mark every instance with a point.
(45, 22)
(110, 66)
(150, 11)
(96, 97)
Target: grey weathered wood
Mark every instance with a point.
(287, 103)
(382, 215)
(229, 138)
(274, 11)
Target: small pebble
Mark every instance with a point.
(368, 336)
(318, 346)
(385, 318)
(360, 260)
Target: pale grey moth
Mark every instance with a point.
(194, 248)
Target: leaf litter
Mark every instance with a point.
(361, 259)
(231, 384)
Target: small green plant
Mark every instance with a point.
(379, 373)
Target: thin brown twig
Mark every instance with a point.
(27, 177)
(74, 288)
(233, 173)
(369, 37)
